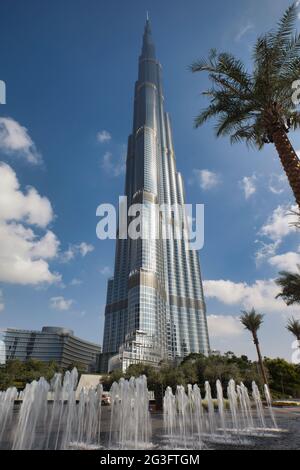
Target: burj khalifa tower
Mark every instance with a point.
(155, 308)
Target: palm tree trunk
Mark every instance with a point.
(289, 161)
(260, 360)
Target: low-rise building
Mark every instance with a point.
(51, 344)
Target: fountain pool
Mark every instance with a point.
(50, 416)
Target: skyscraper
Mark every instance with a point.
(155, 307)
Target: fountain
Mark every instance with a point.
(7, 400)
(53, 416)
(130, 426)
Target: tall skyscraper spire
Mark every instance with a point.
(155, 307)
(148, 49)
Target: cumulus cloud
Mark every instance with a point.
(248, 184)
(23, 256)
(206, 179)
(276, 228)
(60, 303)
(113, 167)
(279, 223)
(286, 261)
(15, 140)
(82, 249)
(261, 294)
(223, 326)
(103, 136)
(29, 207)
(23, 253)
(46, 247)
(228, 292)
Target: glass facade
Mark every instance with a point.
(51, 344)
(157, 288)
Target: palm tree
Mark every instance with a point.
(257, 107)
(293, 326)
(296, 222)
(290, 285)
(252, 322)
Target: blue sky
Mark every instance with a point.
(69, 67)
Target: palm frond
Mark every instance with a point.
(293, 326)
(251, 320)
(244, 102)
(244, 133)
(286, 25)
(205, 115)
(290, 287)
(208, 65)
(233, 68)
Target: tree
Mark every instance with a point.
(252, 321)
(257, 107)
(284, 377)
(290, 285)
(16, 373)
(76, 365)
(293, 326)
(108, 379)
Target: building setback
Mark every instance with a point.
(51, 344)
(155, 307)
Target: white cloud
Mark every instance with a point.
(103, 136)
(206, 179)
(286, 261)
(15, 140)
(23, 253)
(47, 247)
(260, 295)
(1, 301)
(16, 205)
(266, 250)
(60, 303)
(228, 292)
(105, 271)
(82, 249)
(111, 166)
(278, 224)
(277, 227)
(222, 326)
(23, 256)
(248, 184)
(244, 30)
(85, 248)
(66, 256)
